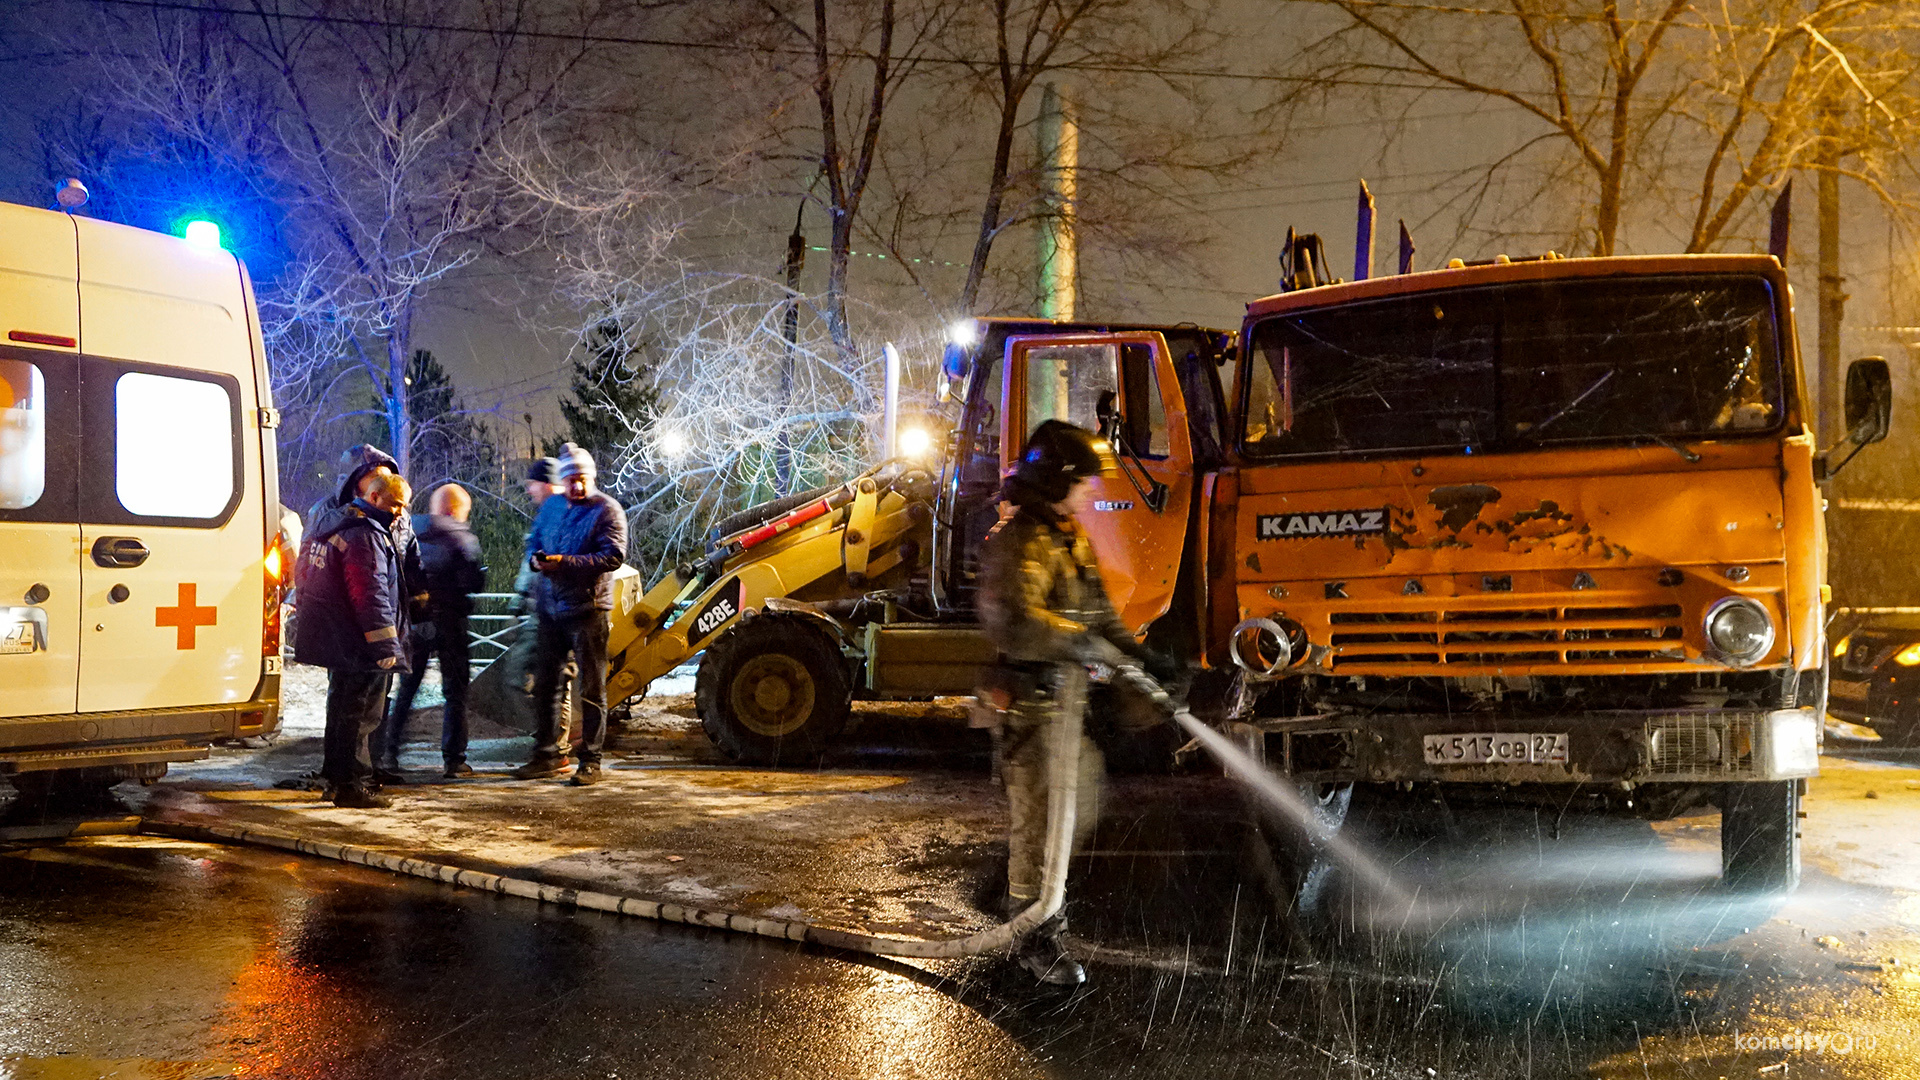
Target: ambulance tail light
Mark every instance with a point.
(277, 569)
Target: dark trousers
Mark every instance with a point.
(354, 708)
(584, 638)
(447, 640)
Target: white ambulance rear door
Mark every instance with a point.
(172, 522)
(39, 531)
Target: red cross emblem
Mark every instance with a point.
(185, 617)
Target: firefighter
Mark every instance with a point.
(353, 622)
(1044, 607)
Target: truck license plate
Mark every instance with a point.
(1495, 748)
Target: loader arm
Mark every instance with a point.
(837, 547)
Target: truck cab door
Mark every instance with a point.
(39, 425)
(1124, 386)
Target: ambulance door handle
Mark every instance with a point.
(119, 552)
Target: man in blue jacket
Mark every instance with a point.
(576, 544)
(451, 572)
(353, 622)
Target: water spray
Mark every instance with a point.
(1242, 767)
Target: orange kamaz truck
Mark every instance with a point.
(1547, 529)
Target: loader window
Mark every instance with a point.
(23, 434)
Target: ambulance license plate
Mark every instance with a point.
(1496, 748)
(19, 631)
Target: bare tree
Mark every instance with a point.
(376, 131)
(1693, 106)
(617, 216)
(854, 59)
(1035, 40)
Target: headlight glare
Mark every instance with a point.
(1739, 630)
(1908, 656)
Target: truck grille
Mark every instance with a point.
(1536, 635)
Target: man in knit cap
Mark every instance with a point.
(578, 540)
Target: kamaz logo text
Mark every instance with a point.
(1329, 523)
(1106, 505)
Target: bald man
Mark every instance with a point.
(450, 562)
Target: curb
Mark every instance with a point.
(636, 907)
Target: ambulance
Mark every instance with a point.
(141, 561)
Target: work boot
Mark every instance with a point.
(457, 770)
(1043, 953)
(357, 797)
(541, 768)
(587, 773)
(389, 776)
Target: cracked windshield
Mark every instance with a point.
(940, 540)
(1502, 367)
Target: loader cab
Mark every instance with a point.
(139, 578)
(1154, 392)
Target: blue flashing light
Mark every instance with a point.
(202, 234)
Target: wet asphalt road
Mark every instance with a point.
(1608, 951)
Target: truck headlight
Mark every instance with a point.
(1739, 630)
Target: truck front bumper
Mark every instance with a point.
(1703, 746)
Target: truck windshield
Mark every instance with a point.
(1516, 365)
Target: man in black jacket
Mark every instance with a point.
(576, 543)
(450, 565)
(353, 622)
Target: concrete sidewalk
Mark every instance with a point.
(910, 847)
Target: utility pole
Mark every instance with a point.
(790, 328)
(1058, 246)
(1832, 301)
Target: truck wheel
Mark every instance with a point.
(1301, 866)
(1760, 836)
(772, 691)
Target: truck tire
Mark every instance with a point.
(773, 691)
(1301, 865)
(1760, 836)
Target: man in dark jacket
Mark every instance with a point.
(353, 622)
(450, 567)
(576, 543)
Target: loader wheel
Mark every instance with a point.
(1760, 836)
(772, 691)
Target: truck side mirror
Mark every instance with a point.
(1107, 412)
(1869, 406)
